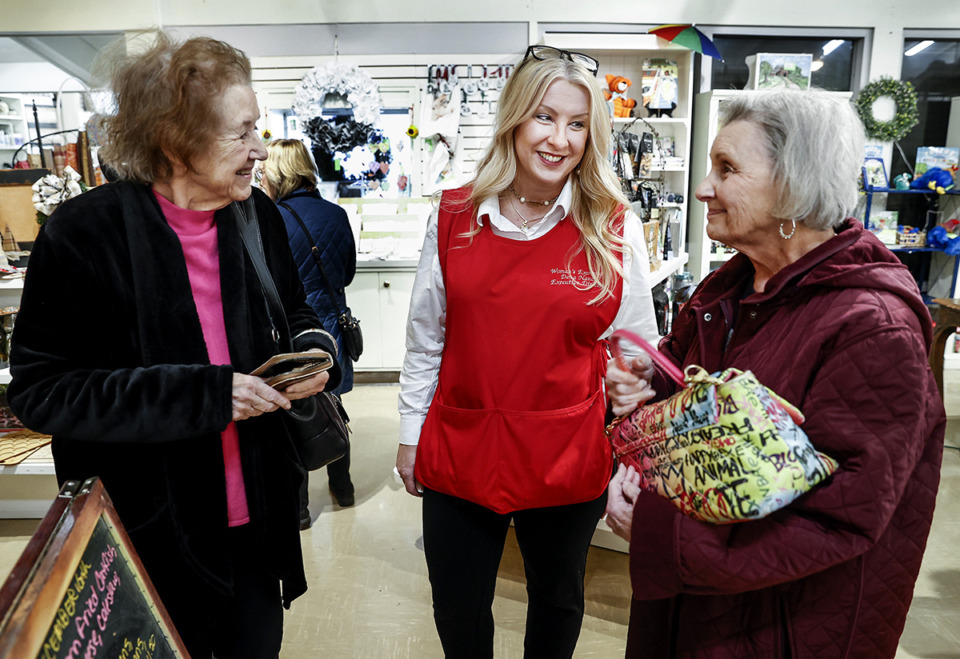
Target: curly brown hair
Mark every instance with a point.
(167, 104)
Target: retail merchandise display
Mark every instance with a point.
(616, 95)
(660, 91)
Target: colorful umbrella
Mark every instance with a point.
(689, 37)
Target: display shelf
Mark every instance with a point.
(624, 55)
(666, 121)
(40, 463)
(668, 268)
(10, 292)
(874, 190)
(907, 249)
(869, 191)
(14, 127)
(721, 258)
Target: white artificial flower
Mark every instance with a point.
(51, 190)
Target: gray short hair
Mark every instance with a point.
(815, 140)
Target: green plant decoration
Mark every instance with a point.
(903, 121)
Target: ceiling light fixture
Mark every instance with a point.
(832, 45)
(923, 45)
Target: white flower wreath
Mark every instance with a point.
(359, 88)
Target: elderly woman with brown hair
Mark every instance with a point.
(823, 314)
(140, 320)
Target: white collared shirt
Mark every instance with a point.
(426, 323)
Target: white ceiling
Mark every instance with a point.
(11, 52)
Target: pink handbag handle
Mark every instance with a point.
(658, 357)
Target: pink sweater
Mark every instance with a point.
(198, 237)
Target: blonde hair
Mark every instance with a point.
(289, 167)
(598, 200)
(167, 102)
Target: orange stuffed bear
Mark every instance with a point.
(617, 91)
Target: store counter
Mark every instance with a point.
(26, 489)
(379, 298)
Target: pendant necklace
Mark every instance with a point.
(524, 222)
(524, 200)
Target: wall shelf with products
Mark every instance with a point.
(13, 127)
(625, 55)
(933, 199)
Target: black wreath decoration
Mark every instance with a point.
(903, 121)
(341, 136)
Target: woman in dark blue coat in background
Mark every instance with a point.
(290, 179)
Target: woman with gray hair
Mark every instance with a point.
(827, 317)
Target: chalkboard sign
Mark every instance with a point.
(79, 589)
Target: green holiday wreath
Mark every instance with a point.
(903, 96)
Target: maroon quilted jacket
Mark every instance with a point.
(843, 334)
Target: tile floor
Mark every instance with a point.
(369, 595)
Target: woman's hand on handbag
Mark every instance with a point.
(406, 458)
(621, 496)
(253, 397)
(308, 387)
(628, 389)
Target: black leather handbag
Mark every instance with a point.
(349, 326)
(317, 425)
(318, 428)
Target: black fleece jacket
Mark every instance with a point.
(108, 357)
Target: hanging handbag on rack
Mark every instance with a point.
(723, 449)
(317, 425)
(349, 326)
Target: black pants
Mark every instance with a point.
(338, 473)
(338, 476)
(463, 543)
(251, 624)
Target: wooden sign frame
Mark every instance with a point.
(51, 596)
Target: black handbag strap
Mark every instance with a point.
(250, 234)
(315, 251)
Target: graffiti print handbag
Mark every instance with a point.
(723, 449)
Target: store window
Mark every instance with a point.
(834, 59)
(933, 67)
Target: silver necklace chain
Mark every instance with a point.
(524, 222)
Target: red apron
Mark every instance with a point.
(517, 420)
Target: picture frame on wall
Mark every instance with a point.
(779, 70)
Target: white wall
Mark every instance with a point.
(30, 77)
(887, 19)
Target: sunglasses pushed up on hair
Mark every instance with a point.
(549, 52)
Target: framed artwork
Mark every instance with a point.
(779, 70)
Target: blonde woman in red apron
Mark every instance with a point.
(523, 274)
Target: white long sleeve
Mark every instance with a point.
(426, 323)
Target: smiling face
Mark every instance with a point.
(550, 144)
(224, 172)
(739, 191)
